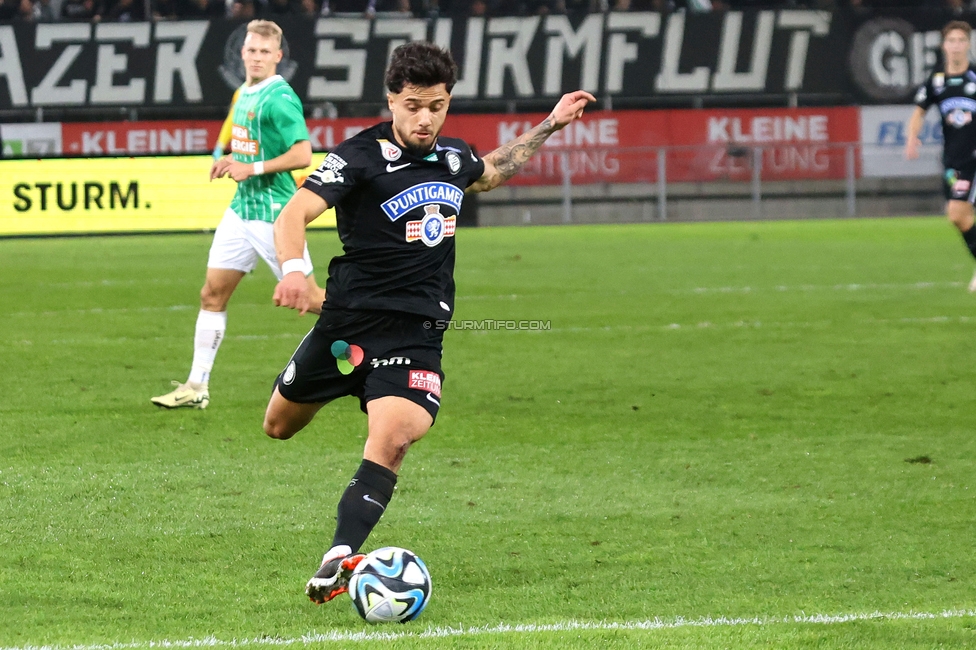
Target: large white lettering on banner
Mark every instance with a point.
(638, 54)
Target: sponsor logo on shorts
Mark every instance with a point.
(961, 187)
(425, 380)
(392, 361)
(289, 375)
(347, 356)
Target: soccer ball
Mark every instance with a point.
(390, 585)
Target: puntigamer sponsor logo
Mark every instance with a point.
(89, 195)
(422, 194)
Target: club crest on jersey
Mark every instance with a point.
(938, 82)
(422, 194)
(453, 162)
(389, 150)
(959, 118)
(969, 88)
(433, 228)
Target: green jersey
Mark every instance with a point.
(268, 121)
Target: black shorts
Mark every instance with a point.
(368, 354)
(958, 184)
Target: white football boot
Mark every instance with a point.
(184, 396)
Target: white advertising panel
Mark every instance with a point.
(884, 130)
(31, 139)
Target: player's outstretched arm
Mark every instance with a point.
(503, 163)
(915, 124)
(298, 156)
(289, 236)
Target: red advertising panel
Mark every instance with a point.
(794, 144)
(603, 147)
(133, 138)
(175, 137)
(702, 145)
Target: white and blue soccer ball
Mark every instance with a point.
(390, 585)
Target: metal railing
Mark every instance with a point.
(757, 180)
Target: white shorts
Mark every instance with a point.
(237, 244)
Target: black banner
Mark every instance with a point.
(841, 56)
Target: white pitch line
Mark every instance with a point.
(514, 297)
(826, 287)
(528, 628)
(128, 339)
(668, 327)
(743, 324)
(104, 310)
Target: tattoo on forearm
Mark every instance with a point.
(509, 158)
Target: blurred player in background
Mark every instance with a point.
(953, 90)
(269, 140)
(397, 188)
(222, 147)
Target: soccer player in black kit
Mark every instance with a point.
(953, 89)
(397, 189)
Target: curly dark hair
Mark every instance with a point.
(420, 64)
(961, 25)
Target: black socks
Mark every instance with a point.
(970, 237)
(362, 504)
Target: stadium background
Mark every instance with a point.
(770, 112)
(744, 435)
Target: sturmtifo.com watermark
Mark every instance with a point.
(490, 324)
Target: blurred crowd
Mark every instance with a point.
(139, 10)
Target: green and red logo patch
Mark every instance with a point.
(347, 356)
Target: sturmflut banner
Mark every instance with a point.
(841, 57)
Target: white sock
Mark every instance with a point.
(211, 326)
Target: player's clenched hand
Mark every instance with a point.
(570, 107)
(240, 171)
(292, 292)
(911, 148)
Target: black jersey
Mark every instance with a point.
(396, 214)
(954, 95)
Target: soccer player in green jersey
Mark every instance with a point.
(269, 140)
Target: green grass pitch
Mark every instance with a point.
(727, 431)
